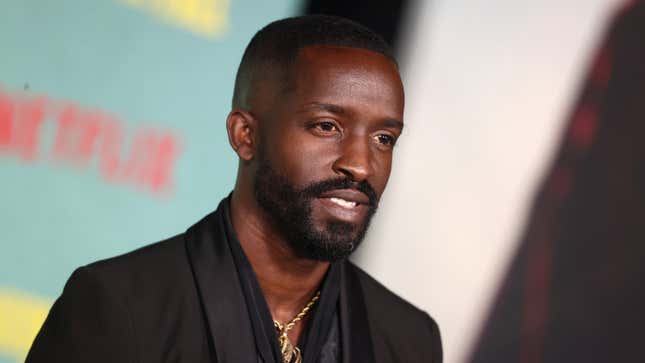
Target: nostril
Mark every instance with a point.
(355, 161)
(355, 173)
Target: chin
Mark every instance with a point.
(332, 241)
(337, 230)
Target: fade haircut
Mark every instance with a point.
(273, 49)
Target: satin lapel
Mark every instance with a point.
(355, 331)
(219, 288)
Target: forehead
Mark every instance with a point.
(323, 73)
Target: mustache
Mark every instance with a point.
(315, 189)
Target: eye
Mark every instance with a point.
(385, 139)
(326, 126)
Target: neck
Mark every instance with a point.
(287, 281)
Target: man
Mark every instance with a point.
(317, 109)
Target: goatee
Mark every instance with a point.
(291, 210)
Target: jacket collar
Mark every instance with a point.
(355, 330)
(218, 284)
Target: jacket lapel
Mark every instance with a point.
(218, 284)
(355, 331)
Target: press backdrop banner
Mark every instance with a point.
(112, 134)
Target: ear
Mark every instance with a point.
(242, 133)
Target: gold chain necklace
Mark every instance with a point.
(289, 352)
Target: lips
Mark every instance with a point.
(348, 198)
(343, 203)
(348, 205)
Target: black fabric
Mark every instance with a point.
(265, 337)
(316, 332)
(224, 306)
(180, 300)
(395, 327)
(330, 351)
(356, 341)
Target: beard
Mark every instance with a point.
(291, 211)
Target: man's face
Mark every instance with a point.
(325, 148)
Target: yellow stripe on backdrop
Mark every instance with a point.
(21, 315)
(207, 18)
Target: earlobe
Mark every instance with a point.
(240, 126)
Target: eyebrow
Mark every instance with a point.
(393, 123)
(326, 107)
(388, 122)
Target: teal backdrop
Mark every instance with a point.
(112, 133)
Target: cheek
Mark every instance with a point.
(302, 157)
(382, 169)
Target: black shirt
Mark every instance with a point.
(320, 340)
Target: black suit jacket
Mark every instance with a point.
(180, 300)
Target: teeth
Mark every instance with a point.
(343, 203)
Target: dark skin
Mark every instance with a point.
(340, 117)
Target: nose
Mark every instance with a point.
(355, 160)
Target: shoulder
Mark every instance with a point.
(130, 301)
(162, 257)
(168, 250)
(164, 261)
(398, 325)
(381, 299)
(155, 273)
(149, 270)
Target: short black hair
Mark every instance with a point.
(274, 48)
